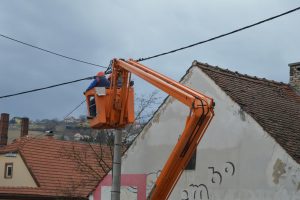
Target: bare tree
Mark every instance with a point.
(145, 108)
(103, 144)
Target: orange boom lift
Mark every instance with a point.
(115, 109)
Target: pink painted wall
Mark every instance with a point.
(136, 180)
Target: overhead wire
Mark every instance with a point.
(74, 109)
(160, 54)
(205, 41)
(220, 36)
(140, 59)
(44, 134)
(51, 52)
(48, 87)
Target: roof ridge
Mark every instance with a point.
(236, 74)
(273, 105)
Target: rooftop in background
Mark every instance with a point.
(274, 105)
(15, 133)
(59, 168)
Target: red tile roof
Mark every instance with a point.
(275, 106)
(59, 168)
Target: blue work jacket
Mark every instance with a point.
(103, 82)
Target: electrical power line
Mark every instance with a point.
(141, 59)
(161, 54)
(74, 109)
(51, 52)
(220, 36)
(48, 87)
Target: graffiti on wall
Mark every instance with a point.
(200, 191)
(132, 189)
(196, 192)
(216, 176)
(150, 181)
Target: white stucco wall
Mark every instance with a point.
(262, 169)
(236, 158)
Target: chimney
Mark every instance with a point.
(295, 76)
(4, 128)
(24, 126)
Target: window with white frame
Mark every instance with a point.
(8, 170)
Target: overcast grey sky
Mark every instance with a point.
(98, 31)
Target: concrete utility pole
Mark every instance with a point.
(116, 173)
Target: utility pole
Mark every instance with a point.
(116, 172)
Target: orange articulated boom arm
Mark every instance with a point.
(201, 113)
(154, 79)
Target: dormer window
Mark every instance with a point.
(8, 170)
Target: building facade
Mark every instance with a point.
(249, 151)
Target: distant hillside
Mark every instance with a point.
(15, 133)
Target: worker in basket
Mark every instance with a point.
(99, 81)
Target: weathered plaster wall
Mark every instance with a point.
(236, 158)
(21, 175)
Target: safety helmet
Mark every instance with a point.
(100, 74)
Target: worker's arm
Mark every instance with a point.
(92, 85)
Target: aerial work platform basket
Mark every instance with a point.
(106, 110)
(113, 108)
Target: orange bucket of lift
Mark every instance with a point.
(103, 112)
